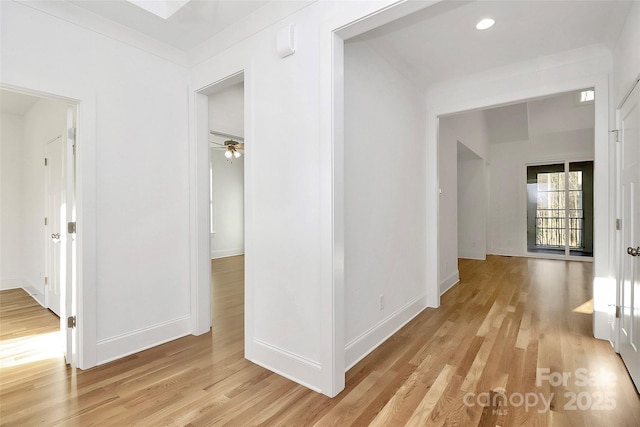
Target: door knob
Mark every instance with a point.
(55, 236)
(633, 251)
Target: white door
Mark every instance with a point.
(54, 155)
(629, 288)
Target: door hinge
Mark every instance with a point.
(46, 280)
(617, 132)
(46, 221)
(45, 161)
(71, 227)
(618, 224)
(71, 133)
(617, 311)
(71, 322)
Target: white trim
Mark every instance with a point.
(199, 217)
(199, 204)
(480, 256)
(35, 294)
(358, 348)
(449, 282)
(287, 364)
(227, 253)
(110, 349)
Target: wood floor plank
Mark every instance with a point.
(465, 363)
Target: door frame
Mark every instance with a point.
(83, 296)
(67, 260)
(619, 249)
(616, 333)
(199, 212)
(519, 89)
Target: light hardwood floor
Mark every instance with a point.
(507, 318)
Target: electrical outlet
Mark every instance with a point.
(381, 302)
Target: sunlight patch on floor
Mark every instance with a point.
(34, 348)
(585, 308)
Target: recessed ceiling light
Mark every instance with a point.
(485, 23)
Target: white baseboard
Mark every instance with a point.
(298, 368)
(133, 342)
(226, 253)
(361, 346)
(35, 294)
(448, 283)
(504, 252)
(477, 256)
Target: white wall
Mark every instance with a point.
(226, 114)
(384, 173)
(472, 207)
(626, 55)
(507, 219)
(470, 130)
(559, 113)
(133, 158)
(294, 254)
(12, 270)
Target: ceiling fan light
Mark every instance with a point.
(228, 154)
(236, 154)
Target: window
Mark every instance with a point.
(560, 213)
(587, 95)
(551, 207)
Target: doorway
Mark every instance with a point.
(38, 142)
(219, 204)
(511, 175)
(226, 201)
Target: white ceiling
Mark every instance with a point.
(15, 103)
(526, 120)
(441, 42)
(437, 43)
(194, 23)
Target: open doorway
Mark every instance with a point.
(527, 167)
(449, 86)
(38, 203)
(226, 196)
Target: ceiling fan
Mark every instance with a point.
(231, 146)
